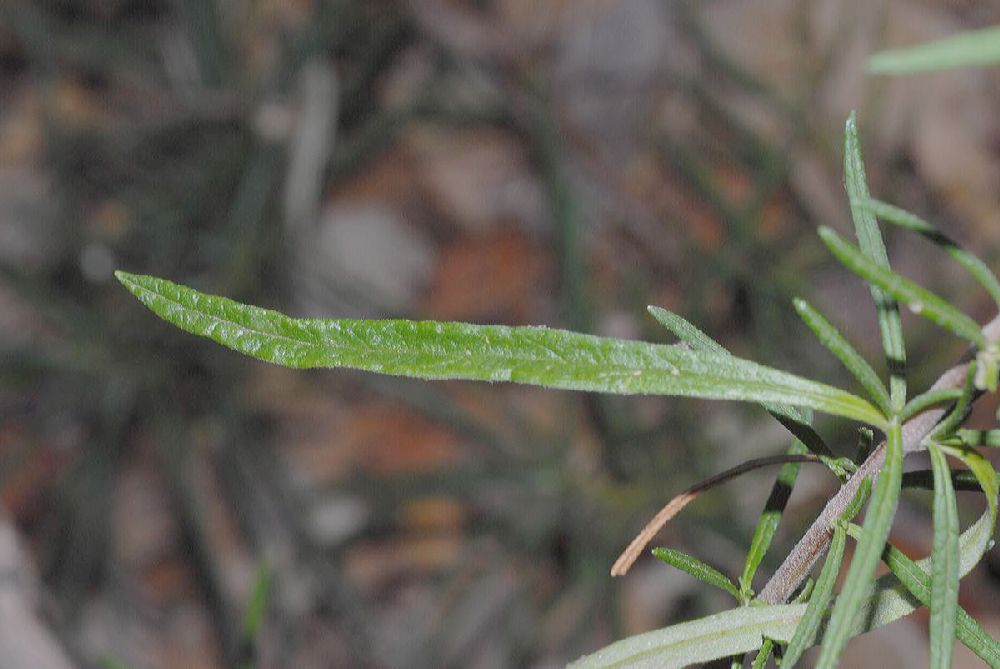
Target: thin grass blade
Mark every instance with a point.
(974, 48)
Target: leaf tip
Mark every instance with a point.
(130, 281)
(851, 126)
(826, 233)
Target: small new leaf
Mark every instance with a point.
(698, 569)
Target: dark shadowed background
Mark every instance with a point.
(504, 161)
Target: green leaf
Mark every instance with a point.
(919, 300)
(795, 422)
(929, 399)
(976, 267)
(805, 633)
(531, 355)
(989, 438)
(724, 634)
(988, 367)
(746, 628)
(974, 48)
(866, 442)
(767, 525)
(817, 607)
(113, 663)
(917, 582)
(257, 607)
(960, 411)
(791, 419)
(830, 337)
(695, 567)
(873, 248)
(763, 654)
(944, 563)
(687, 332)
(881, 511)
(985, 474)
(924, 478)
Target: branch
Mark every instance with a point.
(815, 541)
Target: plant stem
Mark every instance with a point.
(813, 544)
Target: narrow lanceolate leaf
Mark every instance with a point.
(746, 628)
(253, 619)
(985, 474)
(795, 422)
(805, 633)
(695, 567)
(881, 511)
(721, 635)
(929, 399)
(976, 267)
(686, 331)
(763, 655)
(960, 411)
(531, 355)
(873, 248)
(822, 593)
(967, 630)
(770, 518)
(919, 300)
(989, 438)
(975, 48)
(944, 563)
(924, 479)
(830, 337)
